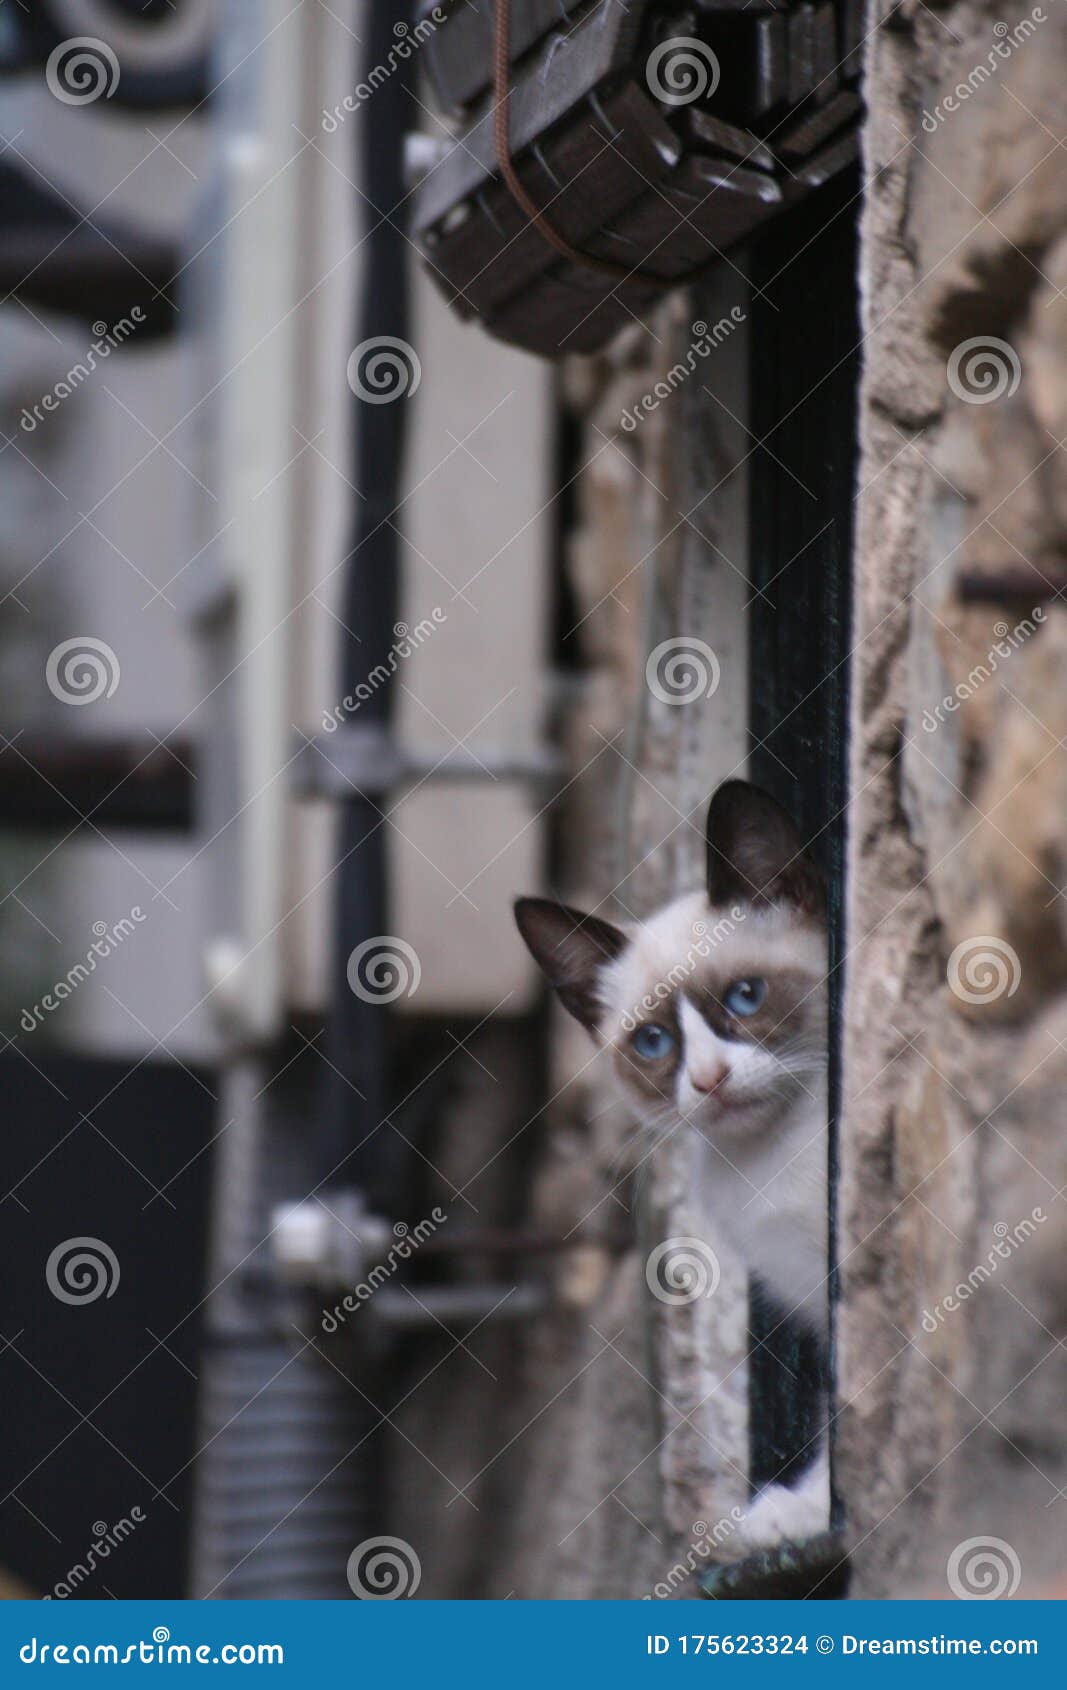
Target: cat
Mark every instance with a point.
(713, 1016)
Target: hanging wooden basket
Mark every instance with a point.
(615, 148)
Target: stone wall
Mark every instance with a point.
(953, 1224)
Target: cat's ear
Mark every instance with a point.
(570, 949)
(756, 854)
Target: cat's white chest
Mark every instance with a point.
(769, 1201)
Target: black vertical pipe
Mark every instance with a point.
(356, 1087)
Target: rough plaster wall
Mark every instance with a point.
(951, 1419)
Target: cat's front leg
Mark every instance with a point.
(790, 1513)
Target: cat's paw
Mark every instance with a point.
(784, 1513)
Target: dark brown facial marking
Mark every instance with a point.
(653, 1079)
(794, 1006)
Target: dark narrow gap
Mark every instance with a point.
(566, 652)
(133, 1206)
(804, 375)
(360, 1037)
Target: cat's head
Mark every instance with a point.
(715, 1007)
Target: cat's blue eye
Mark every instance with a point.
(652, 1041)
(745, 997)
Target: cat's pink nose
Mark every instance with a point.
(709, 1079)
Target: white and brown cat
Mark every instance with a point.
(713, 1016)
